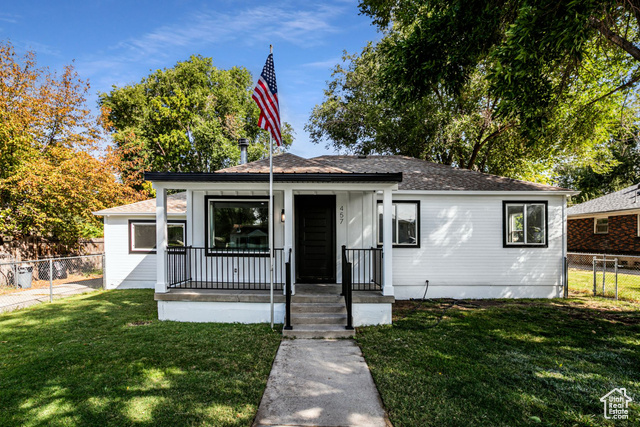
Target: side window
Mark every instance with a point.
(406, 223)
(525, 224)
(142, 235)
(601, 225)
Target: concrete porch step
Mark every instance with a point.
(319, 331)
(307, 307)
(318, 319)
(316, 299)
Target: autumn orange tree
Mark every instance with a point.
(50, 180)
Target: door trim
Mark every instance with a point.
(329, 199)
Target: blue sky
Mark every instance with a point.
(115, 42)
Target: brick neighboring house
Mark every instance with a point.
(609, 224)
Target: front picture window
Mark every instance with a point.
(525, 223)
(238, 225)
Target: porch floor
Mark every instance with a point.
(262, 296)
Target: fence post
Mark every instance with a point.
(604, 272)
(104, 272)
(594, 276)
(50, 279)
(566, 277)
(616, 272)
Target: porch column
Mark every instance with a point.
(190, 221)
(387, 242)
(288, 230)
(161, 240)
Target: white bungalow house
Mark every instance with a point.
(394, 224)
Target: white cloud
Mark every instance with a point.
(326, 64)
(249, 26)
(10, 18)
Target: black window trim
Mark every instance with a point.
(418, 225)
(150, 221)
(504, 223)
(208, 251)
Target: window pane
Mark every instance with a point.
(394, 238)
(535, 224)
(176, 234)
(238, 225)
(406, 214)
(144, 236)
(602, 225)
(380, 234)
(380, 223)
(515, 223)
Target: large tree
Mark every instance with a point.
(49, 180)
(360, 113)
(593, 182)
(184, 119)
(443, 85)
(535, 51)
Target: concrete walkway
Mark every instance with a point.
(26, 297)
(320, 383)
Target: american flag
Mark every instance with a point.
(266, 96)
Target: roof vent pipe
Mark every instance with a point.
(243, 143)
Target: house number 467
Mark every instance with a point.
(341, 214)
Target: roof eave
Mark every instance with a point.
(628, 211)
(277, 177)
(532, 192)
(106, 213)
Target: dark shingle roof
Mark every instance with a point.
(422, 175)
(619, 201)
(416, 175)
(284, 163)
(176, 204)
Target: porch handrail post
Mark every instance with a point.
(344, 268)
(349, 297)
(287, 268)
(161, 240)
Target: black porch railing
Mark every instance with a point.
(242, 269)
(287, 293)
(347, 286)
(366, 268)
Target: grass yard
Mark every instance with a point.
(104, 359)
(506, 362)
(628, 284)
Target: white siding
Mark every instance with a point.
(462, 255)
(461, 249)
(126, 270)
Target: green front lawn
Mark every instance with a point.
(506, 363)
(105, 359)
(628, 284)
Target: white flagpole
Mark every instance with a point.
(271, 226)
(271, 218)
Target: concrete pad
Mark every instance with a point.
(320, 383)
(27, 297)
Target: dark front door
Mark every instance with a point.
(315, 239)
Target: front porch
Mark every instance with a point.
(236, 288)
(318, 222)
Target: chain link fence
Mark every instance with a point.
(24, 283)
(614, 276)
